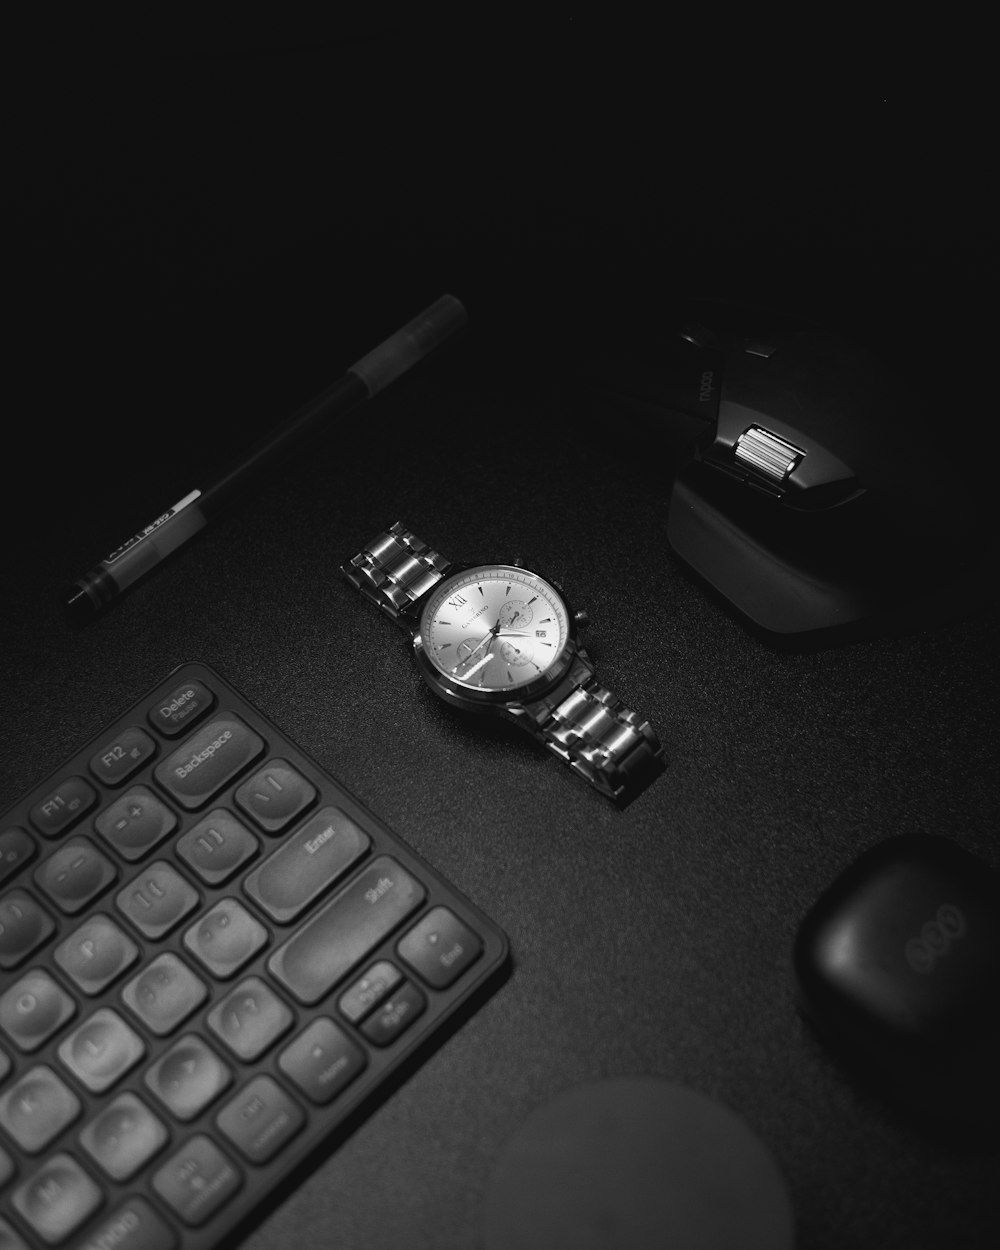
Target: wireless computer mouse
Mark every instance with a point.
(897, 964)
(821, 490)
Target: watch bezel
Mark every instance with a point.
(498, 699)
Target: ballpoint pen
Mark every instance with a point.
(143, 552)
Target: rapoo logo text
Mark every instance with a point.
(936, 938)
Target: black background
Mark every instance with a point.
(206, 229)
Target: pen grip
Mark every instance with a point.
(170, 530)
(402, 350)
(136, 557)
(162, 538)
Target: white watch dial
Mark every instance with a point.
(495, 627)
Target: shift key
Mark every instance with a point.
(347, 929)
(208, 760)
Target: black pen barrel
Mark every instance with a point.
(262, 456)
(141, 553)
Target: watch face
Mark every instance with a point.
(494, 628)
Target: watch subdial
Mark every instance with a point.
(473, 655)
(515, 614)
(466, 647)
(516, 653)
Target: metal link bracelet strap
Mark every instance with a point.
(581, 722)
(395, 569)
(597, 735)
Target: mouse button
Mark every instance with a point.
(667, 383)
(819, 469)
(824, 392)
(698, 335)
(686, 377)
(904, 948)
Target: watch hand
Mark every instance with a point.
(486, 640)
(485, 659)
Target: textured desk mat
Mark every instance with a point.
(653, 942)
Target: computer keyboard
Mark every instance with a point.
(212, 960)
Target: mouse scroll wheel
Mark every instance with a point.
(766, 453)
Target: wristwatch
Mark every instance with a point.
(501, 640)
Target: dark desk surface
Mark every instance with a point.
(650, 941)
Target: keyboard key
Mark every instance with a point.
(440, 947)
(37, 1108)
(209, 760)
(134, 1226)
(225, 938)
(57, 1199)
(63, 806)
(136, 822)
(164, 994)
(101, 1050)
(125, 754)
(177, 712)
(275, 795)
(250, 1019)
(188, 1077)
(217, 846)
(306, 864)
(395, 1016)
(368, 990)
(16, 849)
(346, 929)
(95, 954)
(33, 1009)
(24, 927)
(322, 1061)
(157, 900)
(124, 1137)
(261, 1119)
(211, 959)
(74, 875)
(197, 1180)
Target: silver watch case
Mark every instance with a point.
(497, 702)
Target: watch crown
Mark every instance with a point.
(581, 618)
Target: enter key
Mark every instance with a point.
(307, 864)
